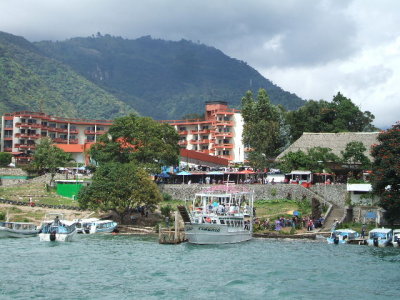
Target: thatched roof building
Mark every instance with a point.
(336, 141)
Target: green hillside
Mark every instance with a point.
(163, 79)
(31, 81)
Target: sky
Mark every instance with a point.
(313, 48)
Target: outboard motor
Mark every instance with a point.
(336, 240)
(53, 236)
(376, 244)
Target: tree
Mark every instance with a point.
(138, 139)
(264, 129)
(120, 187)
(5, 159)
(354, 156)
(340, 115)
(47, 157)
(314, 160)
(385, 177)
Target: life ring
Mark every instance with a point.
(208, 220)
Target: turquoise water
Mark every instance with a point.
(137, 267)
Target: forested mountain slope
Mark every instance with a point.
(30, 80)
(163, 79)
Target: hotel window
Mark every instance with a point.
(205, 127)
(31, 121)
(225, 152)
(72, 127)
(90, 138)
(64, 126)
(43, 133)
(227, 141)
(63, 136)
(52, 135)
(52, 125)
(72, 137)
(182, 128)
(8, 123)
(90, 128)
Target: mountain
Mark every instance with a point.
(163, 79)
(32, 81)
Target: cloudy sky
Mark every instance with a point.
(313, 48)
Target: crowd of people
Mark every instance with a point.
(295, 222)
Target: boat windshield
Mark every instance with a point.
(380, 235)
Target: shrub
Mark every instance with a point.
(274, 192)
(166, 210)
(5, 159)
(166, 197)
(2, 216)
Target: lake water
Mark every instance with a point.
(137, 267)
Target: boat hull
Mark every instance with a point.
(378, 243)
(213, 234)
(59, 237)
(6, 232)
(333, 241)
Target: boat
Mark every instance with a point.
(342, 236)
(18, 229)
(220, 214)
(55, 228)
(380, 237)
(94, 225)
(396, 238)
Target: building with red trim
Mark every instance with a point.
(21, 131)
(218, 134)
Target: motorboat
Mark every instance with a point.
(55, 228)
(396, 238)
(18, 229)
(342, 236)
(221, 214)
(380, 237)
(94, 225)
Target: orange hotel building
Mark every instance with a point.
(219, 134)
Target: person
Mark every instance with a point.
(56, 221)
(363, 230)
(167, 221)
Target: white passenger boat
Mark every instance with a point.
(380, 237)
(18, 229)
(342, 236)
(219, 215)
(55, 228)
(396, 238)
(94, 225)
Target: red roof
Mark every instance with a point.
(204, 157)
(71, 148)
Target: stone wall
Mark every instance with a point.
(261, 191)
(12, 172)
(333, 193)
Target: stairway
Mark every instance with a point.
(336, 213)
(184, 214)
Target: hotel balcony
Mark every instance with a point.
(73, 141)
(73, 131)
(8, 137)
(209, 152)
(183, 132)
(25, 146)
(29, 125)
(225, 146)
(202, 131)
(95, 132)
(198, 142)
(224, 134)
(224, 123)
(60, 141)
(27, 136)
(182, 143)
(90, 141)
(7, 149)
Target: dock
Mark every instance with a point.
(175, 235)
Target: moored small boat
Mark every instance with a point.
(342, 236)
(396, 238)
(18, 229)
(57, 229)
(380, 237)
(94, 225)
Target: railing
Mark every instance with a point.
(27, 136)
(44, 116)
(33, 125)
(7, 149)
(73, 141)
(222, 134)
(90, 141)
(25, 146)
(182, 143)
(223, 146)
(202, 131)
(224, 123)
(183, 132)
(60, 140)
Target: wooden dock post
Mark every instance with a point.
(167, 236)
